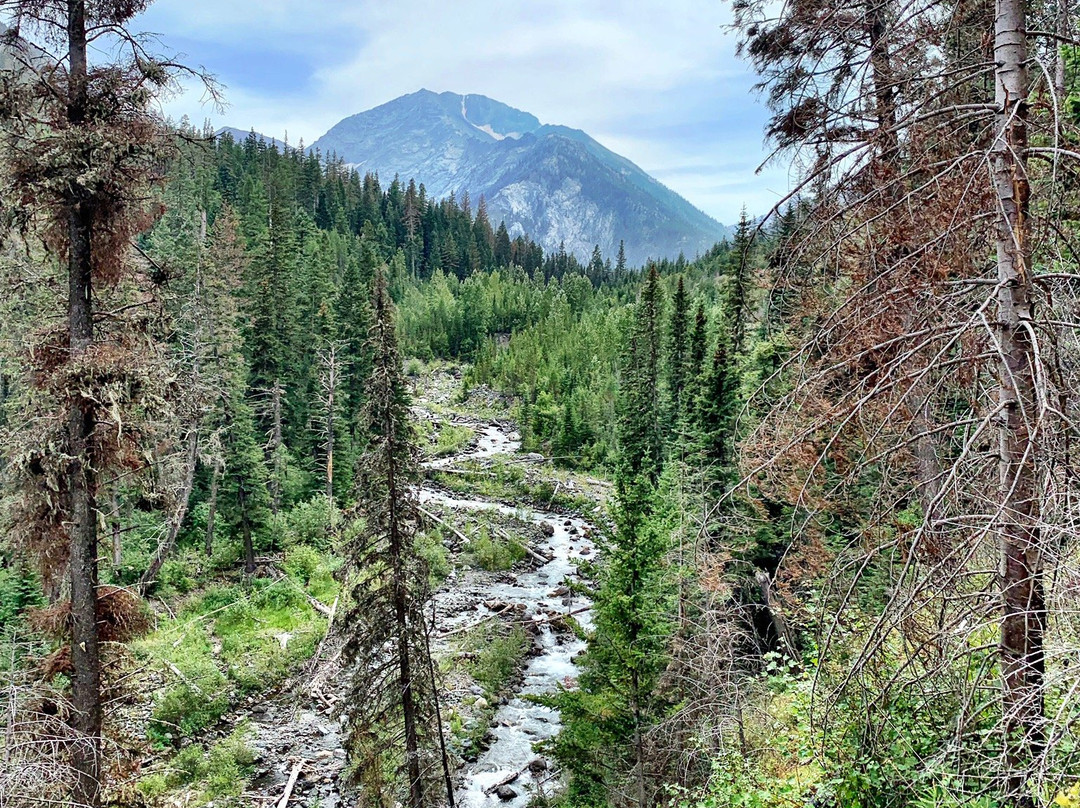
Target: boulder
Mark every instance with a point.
(505, 793)
(547, 528)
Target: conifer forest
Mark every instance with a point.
(321, 489)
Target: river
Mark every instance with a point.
(288, 729)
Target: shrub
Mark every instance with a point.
(499, 651)
(452, 439)
(430, 548)
(215, 773)
(494, 554)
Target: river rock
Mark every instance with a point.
(537, 765)
(547, 528)
(505, 793)
(586, 551)
(481, 703)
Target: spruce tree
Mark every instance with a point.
(393, 687)
(678, 350)
(641, 444)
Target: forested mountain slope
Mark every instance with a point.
(552, 183)
(317, 488)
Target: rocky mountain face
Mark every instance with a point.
(553, 183)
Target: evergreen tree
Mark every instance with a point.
(678, 350)
(394, 681)
(245, 501)
(641, 443)
(620, 262)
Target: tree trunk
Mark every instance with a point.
(1023, 604)
(639, 743)
(184, 497)
(212, 513)
(401, 616)
(117, 546)
(275, 448)
(245, 531)
(86, 717)
(1061, 23)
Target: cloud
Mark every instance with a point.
(656, 81)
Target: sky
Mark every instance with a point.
(656, 81)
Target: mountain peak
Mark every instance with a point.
(553, 183)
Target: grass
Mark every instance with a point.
(230, 639)
(452, 438)
(201, 776)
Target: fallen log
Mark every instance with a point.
(291, 784)
(510, 778)
(461, 536)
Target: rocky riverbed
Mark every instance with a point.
(298, 731)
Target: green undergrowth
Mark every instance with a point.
(493, 653)
(497, 652)
(232, 638)
(451, 439)
(198, 775)
(490, 550)
(507, 480)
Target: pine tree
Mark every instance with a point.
(394, 683)
(678, 350)
(641, 443)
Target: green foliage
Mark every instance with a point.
(489, 551)
(229, 640)
(306, 524)
(498, 653)
(20, 588)
(218, 774)
(430, 548)
(452, 439)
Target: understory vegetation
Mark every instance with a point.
(830, 462)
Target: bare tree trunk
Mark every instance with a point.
(114, 518)
(1061, 23)
(212, 513)
(639, 743)
(275, 448)
(245, 531)
(177, 520)
(86, 717)
(448, 781)
(1023, 603)
(401, 616)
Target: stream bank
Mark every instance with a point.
(300, 724)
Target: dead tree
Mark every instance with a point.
(81, 146)
(920, 348)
